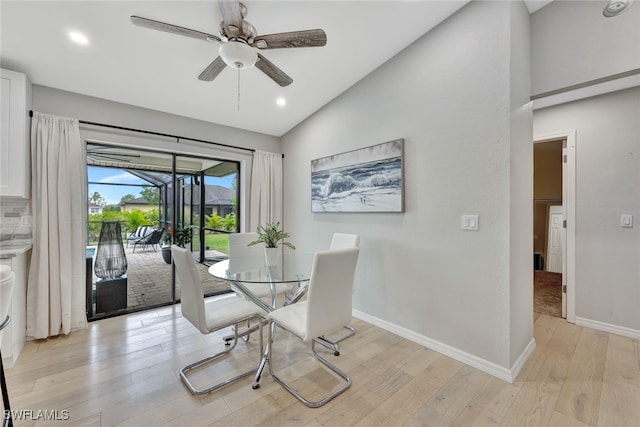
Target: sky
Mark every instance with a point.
(114, 193)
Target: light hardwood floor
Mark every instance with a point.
(124, 371)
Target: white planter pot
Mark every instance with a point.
(272, 256)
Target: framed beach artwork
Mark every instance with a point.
(365, 180)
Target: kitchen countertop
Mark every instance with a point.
(14, 248)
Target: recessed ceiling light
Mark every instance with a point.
(281, 102)
(78, 38)
(616, 7)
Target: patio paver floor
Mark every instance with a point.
(149, 279)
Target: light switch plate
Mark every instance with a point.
(626, 221)
(470, 222)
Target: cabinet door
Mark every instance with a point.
(7, 353)
(15, 94)
(15, 334)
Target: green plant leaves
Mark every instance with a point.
(271, 235)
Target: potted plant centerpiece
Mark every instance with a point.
(183, 236)
(271, 235)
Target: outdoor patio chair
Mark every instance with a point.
(150, 239)
(141, 231)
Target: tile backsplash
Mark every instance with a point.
(15, 220)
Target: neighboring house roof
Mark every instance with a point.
(136, 201)
(216, 195)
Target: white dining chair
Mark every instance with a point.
(326, 309)
(238, 247)
(211, 315)
(341, 241)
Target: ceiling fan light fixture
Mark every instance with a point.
(78, 38)
(616, 7)
(238, 55)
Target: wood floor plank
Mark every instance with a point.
(262, 412)
(400, 406)
(354, 404)
(562, 420)
(456, 395)
(489, 406)
(623, 350)
(580, 394)
(210, 414)
(163, 413)
(427, 416)
(124, 371)
(533, 405)
(622, 374)
(619, 406)
(418, 361)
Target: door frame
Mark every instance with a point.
(569, 213)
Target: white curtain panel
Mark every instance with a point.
(266, 189)
(56, 288)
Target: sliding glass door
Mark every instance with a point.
(146, 191)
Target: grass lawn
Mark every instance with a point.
(217, 242)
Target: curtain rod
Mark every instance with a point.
(160, 134)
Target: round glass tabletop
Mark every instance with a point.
(292, 267)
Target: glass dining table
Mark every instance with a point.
(292, 268)
(244, 273)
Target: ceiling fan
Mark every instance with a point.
(239, 42)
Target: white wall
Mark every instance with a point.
(90, 109)
(449, 95)
(82, 107)
(607, 185)
(521, 185)
(573, 43)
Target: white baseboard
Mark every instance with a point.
(524, 356)
(490, 368)
(608, 327)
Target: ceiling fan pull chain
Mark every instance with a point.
(238, 89)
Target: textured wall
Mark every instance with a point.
(449, 95)
(607, 185)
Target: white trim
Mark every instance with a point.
(570, 203)
(490, 368)
(608, 327)
(587, 92)
(524, 356)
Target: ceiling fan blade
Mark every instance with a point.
(212, 70)
(231, 15)
(275, 73)
(173, 29)
(305, 38)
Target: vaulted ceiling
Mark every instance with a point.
(158, 70)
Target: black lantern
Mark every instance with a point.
(111, 261)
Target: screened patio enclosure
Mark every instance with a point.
(160, 191)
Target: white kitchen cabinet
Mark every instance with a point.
(15, 334)
(15, 158)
